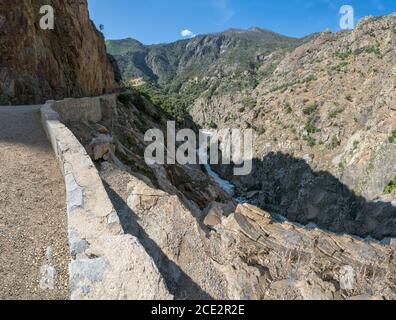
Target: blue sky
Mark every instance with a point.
(157, 21)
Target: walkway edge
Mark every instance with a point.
(105, 262)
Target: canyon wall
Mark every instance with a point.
(36, 64)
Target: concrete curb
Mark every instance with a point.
(105, 262)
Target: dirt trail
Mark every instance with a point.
(33, 219)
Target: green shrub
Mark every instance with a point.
(310, 109)
(249, 102)
(310, 141)
(310, 127)
(310, 78)
(213, 125)
(284, 87)
(390, 187)
(349, 97)
(288, 107)
(343, 55)
(335, 142)
(340, 66)
(4, 101)
(392, 137)
(333, 114)
(373, 49)
(174, 105)
(125, 98)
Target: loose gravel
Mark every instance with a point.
(34, 253)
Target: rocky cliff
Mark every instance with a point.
(333, 97)
(185, 70)
(325, 126)
(322, 108)
(211, 54)
(36, 64)
(205, 245)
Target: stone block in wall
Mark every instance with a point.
(90, 110)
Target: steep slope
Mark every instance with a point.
(204, 245)
(325, 126)
(204, 65)
(323, 115)
(201, 55)
(36, 64)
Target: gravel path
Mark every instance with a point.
(33, 221)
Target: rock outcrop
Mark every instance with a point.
(267, 259)
(325, 131)
(323, 112)
(248, 254)
(38, 65)
(206, 246)
(164, 231)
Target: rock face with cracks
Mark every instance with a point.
(222, 250)
(37, 65)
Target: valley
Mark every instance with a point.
(315, 218)
(316, 105)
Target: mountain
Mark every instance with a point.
(37, 65)
(328, 100)
(323, 110)
(332, 104)
(184, 70)
(205, 245)
(200, 56)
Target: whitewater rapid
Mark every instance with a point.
(203, 155)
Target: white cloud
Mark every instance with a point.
(187, 33)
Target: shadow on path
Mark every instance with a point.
(20, 125)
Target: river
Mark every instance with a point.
(203, 155)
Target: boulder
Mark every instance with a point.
(100, 151)
(215, 211)
(102, 145)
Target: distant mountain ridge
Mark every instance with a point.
(185, 70)
(161, 63)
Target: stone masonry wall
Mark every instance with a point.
(105, 262)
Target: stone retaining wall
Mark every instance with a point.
(83, 109)
(105, 262)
